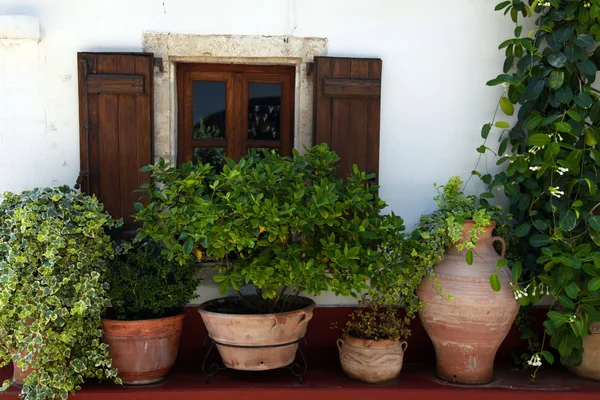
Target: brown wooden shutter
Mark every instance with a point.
(115, 114)
(346, 110)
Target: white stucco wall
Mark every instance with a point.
(437, 56)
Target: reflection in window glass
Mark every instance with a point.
(215, 156)
(264, 106)
(260, 150)
(209, 110)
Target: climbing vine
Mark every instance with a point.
(552, 159)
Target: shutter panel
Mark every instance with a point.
(115, 114)
(346, 110)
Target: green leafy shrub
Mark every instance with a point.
(552, 159)
(144, 284)
(285, 225)
(438, 231)
(53, 252)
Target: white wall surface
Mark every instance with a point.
(437, 56)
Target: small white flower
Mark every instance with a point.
(555, 191)
(535, 360)
(547, 4)
(505, 84)
(536, 168)
(561, 170)
(535, 149)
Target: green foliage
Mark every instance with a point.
(285, 225)
(552, 166)
(53, 252)
(375, 321)
(145, 285)
(437, 232)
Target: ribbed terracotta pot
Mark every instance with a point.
(371, 361)
(467, 331)
(143, 351)
(246, 331)
(590, 364)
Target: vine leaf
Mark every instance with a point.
(557, 59)
(595, 223)
(469, 257)
(548, 356)
(507, 106)
(495, 281)
(557, 77)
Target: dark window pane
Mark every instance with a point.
(215, 156)
(264, 106)
(209, 110)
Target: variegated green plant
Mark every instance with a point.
(53, 252)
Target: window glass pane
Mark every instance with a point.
(209, 110)
(264, 106)
(215, 156)
(260, 150)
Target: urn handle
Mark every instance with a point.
(404, 345)
(502, 242)
(340, 343)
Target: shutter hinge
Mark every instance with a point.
(82, 175)
(158, 62)
(310, 66)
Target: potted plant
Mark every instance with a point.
(147, 293)
(469, 304)
(371, 350)
(551, 176)
(53, 253)
(276, 227)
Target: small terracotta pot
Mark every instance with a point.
(246, 331)
(18, 378)
(143, 351)
(19, 375)
(590, 364)
(467, 331)
(371, 361)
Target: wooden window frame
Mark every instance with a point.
(237, 77)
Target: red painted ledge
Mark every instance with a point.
(327, 381)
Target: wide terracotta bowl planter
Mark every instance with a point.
(243, 339)
(590, 364)
(143, 351)
(467, 331)
(371, 361)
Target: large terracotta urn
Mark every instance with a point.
(590, 363)
(143, 351)
(371, 361)
(467, 331)
(256, 342)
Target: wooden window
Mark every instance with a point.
(115, 114)
(347, 110)
(226, 109)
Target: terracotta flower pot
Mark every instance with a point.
(143, 351)
(371, 361)
(590, 364)
(19, 375)
(246, 331)
(467, 331)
